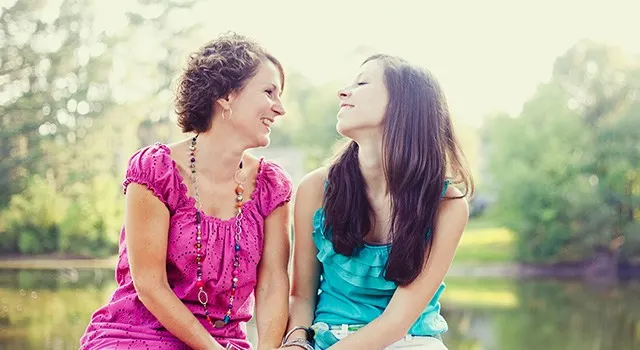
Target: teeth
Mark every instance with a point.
(266, 122)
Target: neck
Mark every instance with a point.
(370, 162)
(218, 156)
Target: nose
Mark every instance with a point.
(344, 93)
(278, 108)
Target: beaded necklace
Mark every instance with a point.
(203, 297)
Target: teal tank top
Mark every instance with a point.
(353, 289)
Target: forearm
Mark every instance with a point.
(177, 318)
(272, 311)
(378, 334)
(301, 313)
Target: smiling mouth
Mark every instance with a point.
(267, 122)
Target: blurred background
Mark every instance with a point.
(545, 96)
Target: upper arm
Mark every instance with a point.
(276, 249)
(409, 301)
(306, 267)
(146, 231)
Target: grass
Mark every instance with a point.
(473, 292)
(484, 242)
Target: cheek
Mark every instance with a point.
(263, 103)
(379, 107)
(254, 105)
(372, 111)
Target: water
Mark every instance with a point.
(49, 309)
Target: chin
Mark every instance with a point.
(343, 128)
(263, 141)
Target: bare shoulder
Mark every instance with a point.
(454, 208)
(311, 188)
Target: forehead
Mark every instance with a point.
(268, 73)
(372, 68)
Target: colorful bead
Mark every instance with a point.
(198, 245)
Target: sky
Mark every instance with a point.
(489, 55)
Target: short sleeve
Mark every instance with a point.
(153, 167)
(274, 188)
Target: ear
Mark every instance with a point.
(225, 102)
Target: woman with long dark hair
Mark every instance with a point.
(376, 230)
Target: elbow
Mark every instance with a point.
(147, 290)
(275, 284)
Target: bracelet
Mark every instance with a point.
(298, 342)
(309, 331)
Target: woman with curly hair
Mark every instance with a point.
(200, 213)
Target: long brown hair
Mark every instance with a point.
(420, 151)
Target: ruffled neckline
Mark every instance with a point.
(250, 204)
(365, 269)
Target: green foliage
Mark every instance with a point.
(566, 170)
(31, 221)
(85, 222)
(65, 116)
(310, 121)
(91, 224)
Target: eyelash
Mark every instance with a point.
(361, 83)
(270, 92)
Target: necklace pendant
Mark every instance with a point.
(219, 324)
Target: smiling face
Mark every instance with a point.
(363, 104)
(256, 106)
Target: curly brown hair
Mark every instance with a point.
(214, 71)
